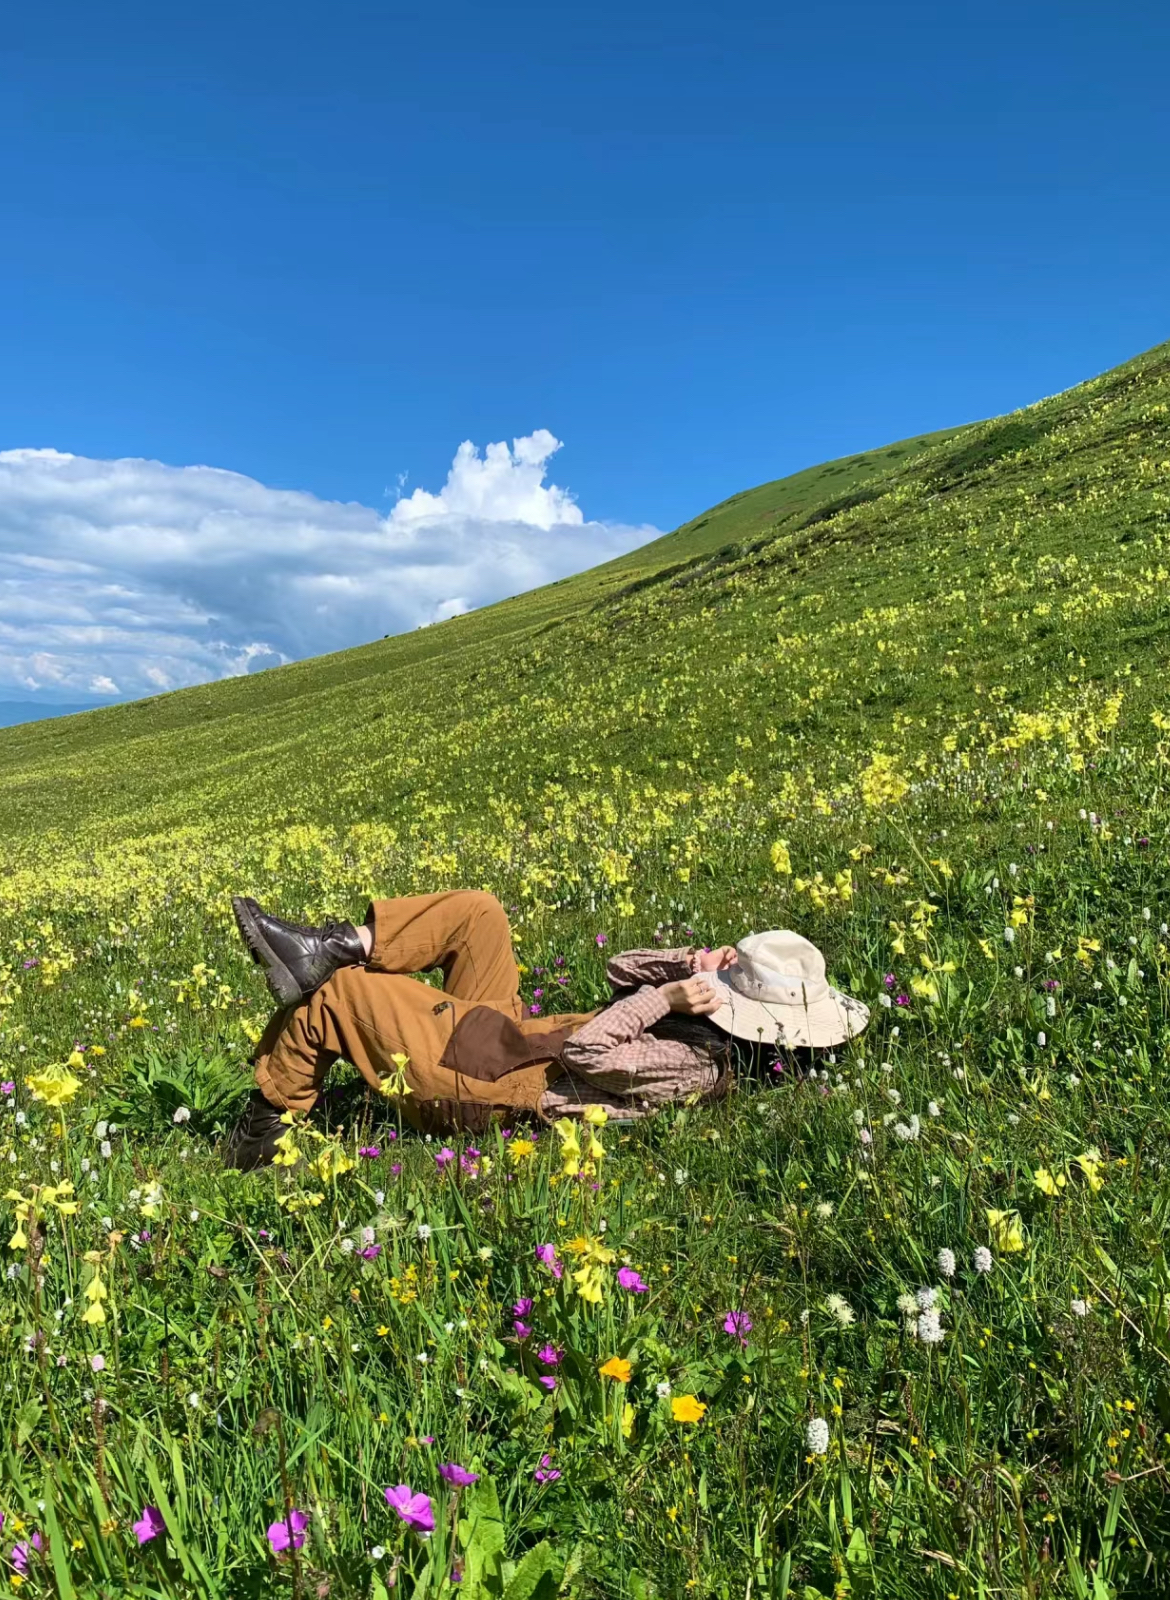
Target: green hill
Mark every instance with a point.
(913, 703)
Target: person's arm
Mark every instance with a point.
(634, 967)
(613, 1041)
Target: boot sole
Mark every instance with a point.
(279, 979)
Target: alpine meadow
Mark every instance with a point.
(896, 1327)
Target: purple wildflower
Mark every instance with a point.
(547, 1255)
(371, 1252)
(8, 1087)
(889, 980)
(522, 1329)
(522, 1307)
(459, 1476)
(289, 1532)
(371, 1152)
(631, 1280)
(20, 1552)
(550, 1355)
(444, 1158)
(534, 1010)
(602, 941)
(149, 1525)
(739, 1325)
(546, 1472)
(414, 1509)
(548, 1381)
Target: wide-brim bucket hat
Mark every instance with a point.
(777, 994)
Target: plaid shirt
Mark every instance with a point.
(613, 1062)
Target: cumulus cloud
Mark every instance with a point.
(122, 578)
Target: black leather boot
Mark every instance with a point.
(252, 1142)
(296, 959)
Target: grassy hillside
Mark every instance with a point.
(914, 704)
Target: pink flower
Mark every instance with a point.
(522, 1307)
(371, 1252)
(546, 1472)
(414, 1509)
(445, 1156)
(547, 1254)
(522, 1330)
(602, 941)
(739, 1325)
(370, 1151)
(288, 1533)
(8, 1088)
(631, 1280)
(549, 1382)
(20, 1552)
(459, 1476)
(534, 1010)
(149, 1525)
(549, 1355)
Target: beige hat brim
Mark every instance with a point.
(828, 1021)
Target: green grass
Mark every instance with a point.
(912, 704)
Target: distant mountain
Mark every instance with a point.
(13, 712)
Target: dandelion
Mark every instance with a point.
(816, 1436)
(182, 1114)
(414, 1509)
(423, 1231)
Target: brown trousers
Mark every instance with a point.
(368, 1014)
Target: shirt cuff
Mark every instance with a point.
(649, 1004)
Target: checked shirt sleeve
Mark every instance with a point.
(612, 1061)
(634, 967)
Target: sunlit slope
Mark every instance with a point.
(833, 611)
(39, 762)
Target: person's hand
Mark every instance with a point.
(716, 960)
(693, 997)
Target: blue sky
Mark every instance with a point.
(321, 245)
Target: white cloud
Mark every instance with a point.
(126, 577)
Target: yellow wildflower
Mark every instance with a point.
(1006, 1231)
(687, 1408)
(56, 1086)
(617, 1368)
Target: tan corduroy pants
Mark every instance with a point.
(368, 1014)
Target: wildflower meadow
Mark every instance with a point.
(890, 1322)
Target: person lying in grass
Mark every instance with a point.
(457, 1060)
